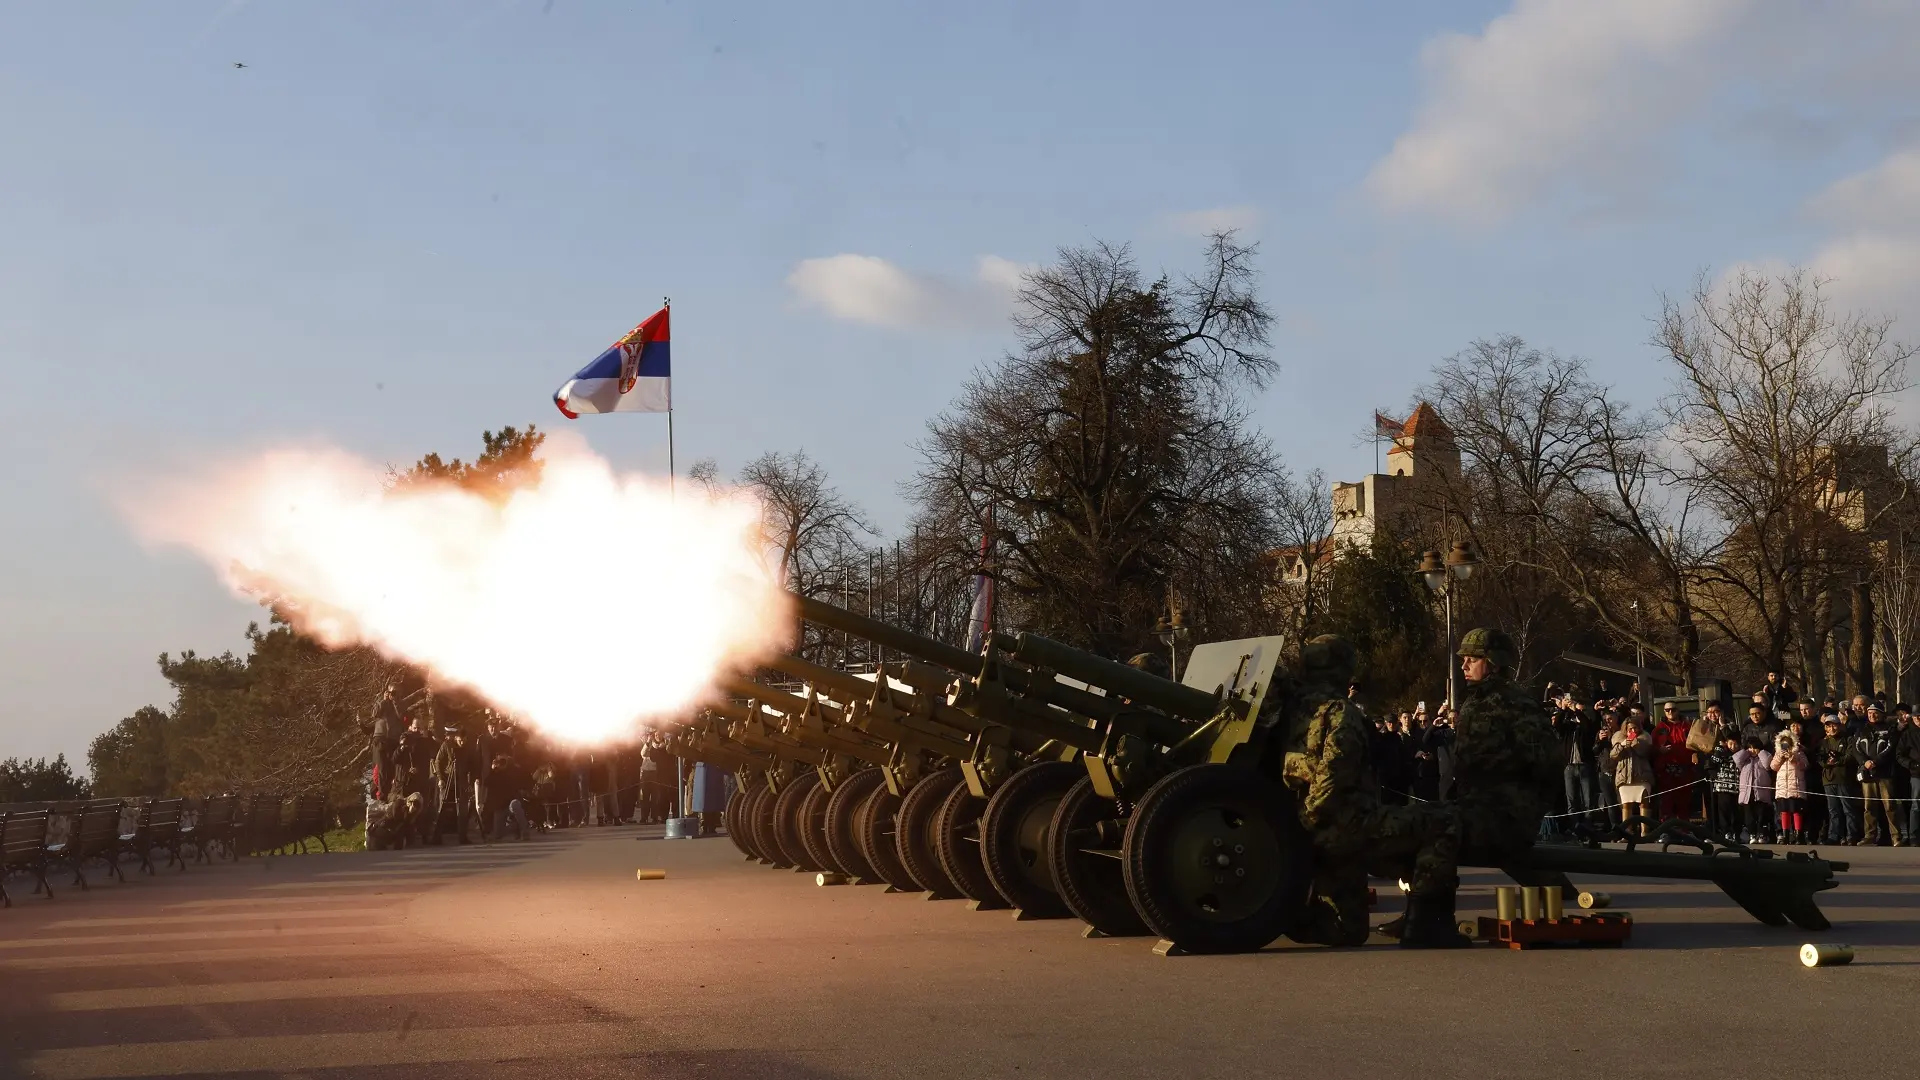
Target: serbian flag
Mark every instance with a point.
(631, 376)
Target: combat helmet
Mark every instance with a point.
(1328, 658)
(1490, 644)
(1151, 663)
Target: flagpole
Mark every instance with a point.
(679, 763)
(667, 304)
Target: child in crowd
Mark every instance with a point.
(1789, 787)
(1724, 772)
(1756, 790)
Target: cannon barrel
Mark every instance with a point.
(961, 661)
(853, 688)
(1036, 721)
(787, 704)
(841, 738)
(904, 641)
(1144, 687)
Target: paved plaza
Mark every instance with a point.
(549, 959)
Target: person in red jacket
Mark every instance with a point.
(1673, 764)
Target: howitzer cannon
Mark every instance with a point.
(1137, 803)
(1036, 815)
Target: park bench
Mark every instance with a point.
(93, 832)
(131, 836)
(23, 850)
(260, 829)
(163, 832)
(309, 822)
(214, 825)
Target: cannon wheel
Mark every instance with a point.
(873, 825)
(956, 842)
(1013, 836)
(813, 828)
(765, 837)
(840, 809)
(749, 808)
(1216, 860)
(786, 820)
(914, 834)
(1092, 886)
(731, 817)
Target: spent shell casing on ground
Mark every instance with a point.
(1592, 900)
(1813, 955)
(650, 875)
(829, 879)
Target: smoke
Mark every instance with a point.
(587, 603)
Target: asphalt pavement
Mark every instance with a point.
(549, 958)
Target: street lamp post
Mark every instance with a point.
(1172, 633)
(1441, 577)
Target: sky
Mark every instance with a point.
(399, 225)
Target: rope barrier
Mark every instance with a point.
(1651, 795)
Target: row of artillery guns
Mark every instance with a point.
(1060, 784)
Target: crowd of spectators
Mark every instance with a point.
(1413, 754)
(481, 776)
(1788, 770)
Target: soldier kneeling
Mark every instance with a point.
(1353, 831)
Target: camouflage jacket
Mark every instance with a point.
(1503, 744)
(1332, 775)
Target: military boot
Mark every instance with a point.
(1430, 923)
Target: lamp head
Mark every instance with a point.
(1462, 559)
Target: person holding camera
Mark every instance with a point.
(1871, 750)
(1906, 753)
(1756, 790)
(1632, 757)
(1789, 787)
(1576, 730)
(1836, 783)
(1724, 808)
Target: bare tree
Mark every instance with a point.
(1303, 514)
(1781, 405)
(1111, 454)
(818, 532)
(1522, 420)
(1566, 491)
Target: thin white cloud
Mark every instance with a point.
(1870, 257)
(869, 289)
(1549, 90)
(1877, 272)
(1238, 218)
(1873, 259)
(1885, 196)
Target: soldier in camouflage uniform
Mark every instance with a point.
(1505, 759)
(1353, 832)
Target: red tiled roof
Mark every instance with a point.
(1426, 421)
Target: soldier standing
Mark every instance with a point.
(453, 774)
(1505, 762)
(413, 766)
(1353, 831)
(387, 726)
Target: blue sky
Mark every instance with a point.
(401, 224)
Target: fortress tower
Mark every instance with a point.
(1423, 459)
